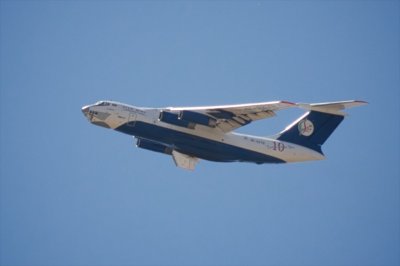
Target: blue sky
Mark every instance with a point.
(76, 194)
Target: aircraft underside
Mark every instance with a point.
(195, 146)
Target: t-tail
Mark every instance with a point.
(313, 128)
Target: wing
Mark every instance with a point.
(230, 117)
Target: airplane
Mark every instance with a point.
(189, 134)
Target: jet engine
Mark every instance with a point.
(153, 146)
(172, 118)
(197, 118)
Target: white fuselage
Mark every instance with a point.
(200, 141)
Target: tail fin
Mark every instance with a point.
(314, 128)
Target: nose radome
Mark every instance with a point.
(85, 110)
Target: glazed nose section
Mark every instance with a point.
(85, 110)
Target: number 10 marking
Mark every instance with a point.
(278, 146)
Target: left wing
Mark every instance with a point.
(230, 117)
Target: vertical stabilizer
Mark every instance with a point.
(314, 128)
(311, 130)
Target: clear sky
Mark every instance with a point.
(76, 194)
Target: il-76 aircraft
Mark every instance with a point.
(192, 133)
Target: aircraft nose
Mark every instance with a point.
(85, 110)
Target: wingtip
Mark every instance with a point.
(361, 102)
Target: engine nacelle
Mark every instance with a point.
(173, 119)
(197, 118)
(153, 146)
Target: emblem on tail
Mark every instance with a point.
(306, 127)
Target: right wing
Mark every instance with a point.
(230, 117)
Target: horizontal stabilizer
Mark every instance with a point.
(331, 107)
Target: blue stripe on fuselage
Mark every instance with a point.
(194, 145)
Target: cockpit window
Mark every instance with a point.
(102, 103)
